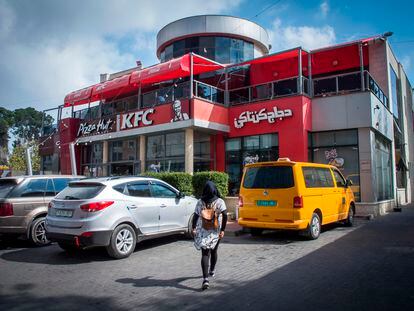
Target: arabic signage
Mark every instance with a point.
(261, 115)
(95, 127)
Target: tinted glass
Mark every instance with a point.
(340, 181)
(61, 183)
(32, 188)
(139, 190)
(80, 191)
(50, 189)
(160, 191)
(6, 186)
(119, 188)
(317, 177)
(269, 177)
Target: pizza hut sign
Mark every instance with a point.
(96, 127)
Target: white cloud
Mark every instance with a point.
(50, 48)
(286, 37)
(324, 9)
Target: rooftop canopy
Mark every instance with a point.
(173, 69)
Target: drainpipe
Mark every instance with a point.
(300, 82)
(361, 64)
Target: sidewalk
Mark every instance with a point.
(233, 228)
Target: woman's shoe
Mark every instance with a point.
(205, 285)
(212, 273)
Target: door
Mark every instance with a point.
(144, 209)
(172, 210)
(342, 206)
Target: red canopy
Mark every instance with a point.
(173, 69)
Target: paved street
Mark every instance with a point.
(370, 266)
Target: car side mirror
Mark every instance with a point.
(180, 195)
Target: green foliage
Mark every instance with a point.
(17, 159)
(219, 178)
(179, 180)
(6, 121)
(27, 125)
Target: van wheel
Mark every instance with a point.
(314, 227)
(122, 243)
(349, 221)
(38, 232)
(256, 231)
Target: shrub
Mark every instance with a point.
(179, 180)
(219, 178)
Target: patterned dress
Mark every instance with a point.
(203, 238)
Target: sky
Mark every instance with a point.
(49, 48)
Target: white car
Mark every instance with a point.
(117, 213)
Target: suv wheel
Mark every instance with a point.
(122, 243)
(349, 221)
(314, 227)
(38, 232)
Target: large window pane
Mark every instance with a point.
(174, 144)
(222, 50)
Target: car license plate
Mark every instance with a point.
(64, 213)
(266, 203)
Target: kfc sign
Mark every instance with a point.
(136, 119)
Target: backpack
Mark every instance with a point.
(209, 218)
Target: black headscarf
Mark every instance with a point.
(210, 193)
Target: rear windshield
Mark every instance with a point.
(80, 191)
(268, 177)
(6, 185)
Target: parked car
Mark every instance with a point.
(24, 201)
(294, 196)
(117, 213)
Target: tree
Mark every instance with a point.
(27, 126)
(18, 161)
(6, 121)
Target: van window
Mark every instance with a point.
(317, 177)
(340, 181)
(268, 177)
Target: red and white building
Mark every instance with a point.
(218, 100)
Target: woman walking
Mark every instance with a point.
(209, 223)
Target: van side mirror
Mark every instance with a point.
(348, 183)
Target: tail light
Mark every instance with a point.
(240, 202)
(298, 202)
(6, 209)
(96, 206)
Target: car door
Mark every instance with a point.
(341, 194)
(143, 207)
(172, 211)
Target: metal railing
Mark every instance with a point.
(270, 90)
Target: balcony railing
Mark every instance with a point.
(209, 92)
(266, 91)
(346, 83)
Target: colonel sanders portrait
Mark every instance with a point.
(178, 114)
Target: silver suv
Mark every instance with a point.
(117, 213)
(24, 201)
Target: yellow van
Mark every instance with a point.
(294, 196)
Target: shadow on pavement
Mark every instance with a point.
(149, 282)
(27, 301)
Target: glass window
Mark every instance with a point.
(285, 87)
(324, 86)
(122, 150)
(394, 93)
(191, 45)
(174, 144)
(50, 189)
(120, 188)
(383, 166)
(349, 82)
(61, 183)
(178, 48)
(6, 185)
(31, 188)
(222, 50)
(169, 52)
(268, 141)
(316, 177)
(161, 191)
(233, 144)
(207, 46)
(251, 142)
(268, 177)
(340, 181)
(139, 190)
(236, 51)
(80, 191)
(155, 146)
(248, 51)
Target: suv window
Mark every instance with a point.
(139, 190)
(120, 188)
(61, 183)
(31, 188)
(50, 189)
(161, 191)
(317, 177)
(268, 177)
(6, 185)
(340, 181)
(80, 191)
